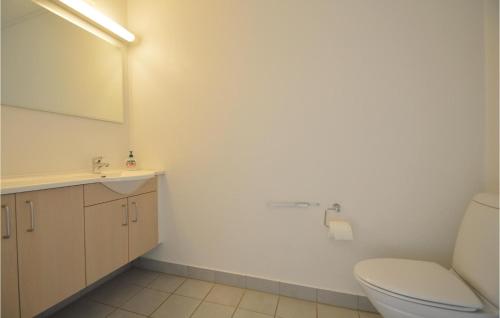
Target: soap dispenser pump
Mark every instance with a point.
(131, 164)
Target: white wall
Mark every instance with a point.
(491, 93)
(41, 143)
(36, 142)
(377, 105)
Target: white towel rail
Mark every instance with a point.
(292, 204)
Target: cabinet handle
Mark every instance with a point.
(32, 214)
(125, 215)
(136, 214)
(7, 221)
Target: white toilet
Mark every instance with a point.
(402, 288)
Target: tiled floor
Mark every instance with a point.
(138, 293)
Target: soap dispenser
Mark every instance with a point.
(131, 164)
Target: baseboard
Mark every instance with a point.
(323, 296)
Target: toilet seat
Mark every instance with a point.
(425, 283)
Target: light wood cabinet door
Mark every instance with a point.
(10, 290)
(143, 229)
(50, 233)
(106, 238)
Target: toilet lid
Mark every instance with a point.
(423, 281)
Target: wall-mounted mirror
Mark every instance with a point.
(49, 64)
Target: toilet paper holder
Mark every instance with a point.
(334, 208)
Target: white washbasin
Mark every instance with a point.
(125, 182)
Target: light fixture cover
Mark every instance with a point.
(97, 17)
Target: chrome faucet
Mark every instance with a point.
(97, 164)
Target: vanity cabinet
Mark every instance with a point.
(96, 193)
(143, 224)
(57, 241)
(106, 238)
(51, 255)
(118, 228)
(10, 291)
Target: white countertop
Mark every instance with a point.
(32, 183)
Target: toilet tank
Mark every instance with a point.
(475, 257)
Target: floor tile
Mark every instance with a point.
(138, 276)
(364, 314)
(260, 302)
(176, 307)
(146, 301)
(119, 313)
(84, 308)
(295, 308)
(325, 311)
(167, 283)
(241, 313)
(225, 295)
(211, 310)
(114, 293)
(194, 288)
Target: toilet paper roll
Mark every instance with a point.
(340, 230)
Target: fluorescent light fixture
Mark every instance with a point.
(100, 19)
(77, 20)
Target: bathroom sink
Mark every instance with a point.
(125, 182)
